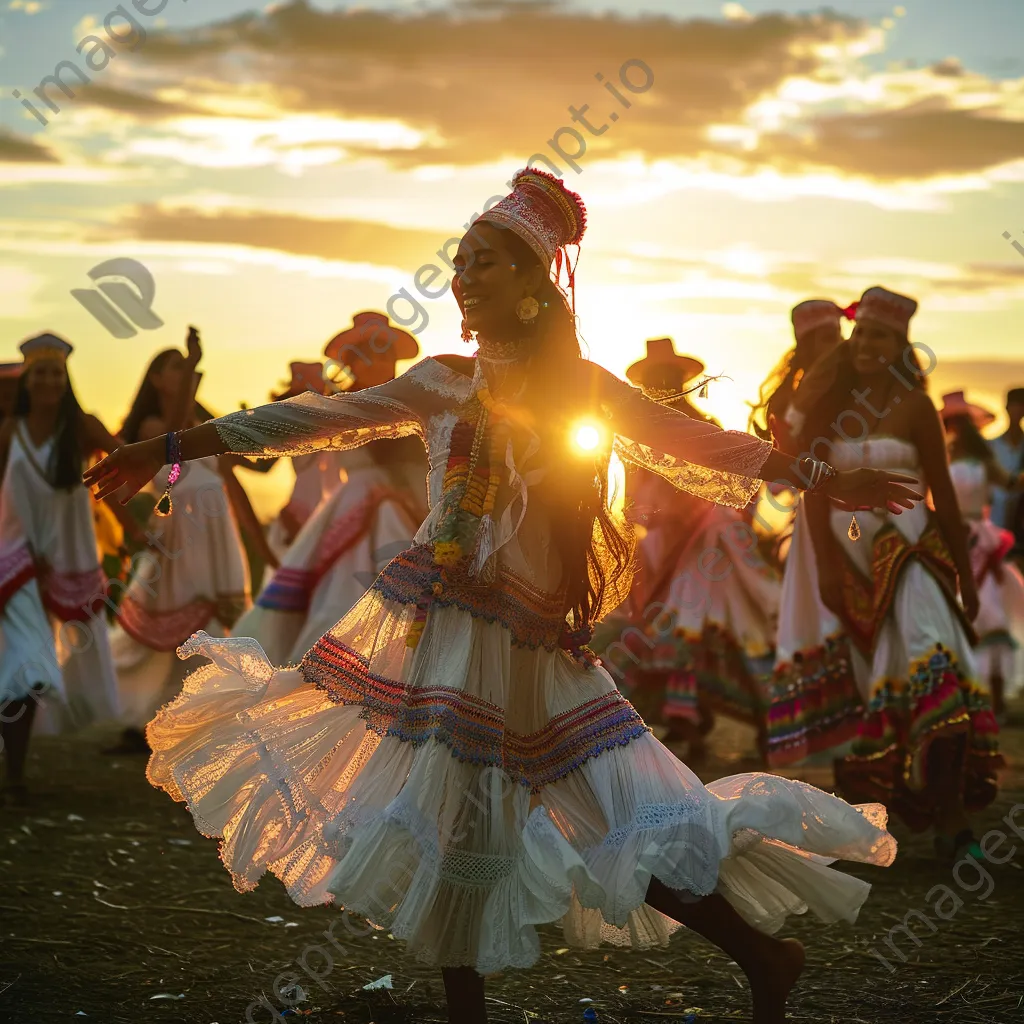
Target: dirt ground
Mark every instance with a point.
(115, 910)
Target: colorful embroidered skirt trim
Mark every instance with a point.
(889, 760)
(471, 728)
(532, 617)
(73, 596)
(815, 704)
(167, 630)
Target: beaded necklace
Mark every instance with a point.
(464, 539)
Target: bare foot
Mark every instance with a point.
(773, 978)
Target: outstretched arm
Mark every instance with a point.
(727, 466)
(294, 426)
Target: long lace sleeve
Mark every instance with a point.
(718, 465)
(311, 422)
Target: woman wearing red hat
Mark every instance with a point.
(449, 761)
(926, 739)
(974, 471)
(360, 525)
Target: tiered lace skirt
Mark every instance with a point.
(463, 791)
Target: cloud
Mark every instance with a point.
(345, 240)
(17, 149)
(487, 82)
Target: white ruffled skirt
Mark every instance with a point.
(465, 791)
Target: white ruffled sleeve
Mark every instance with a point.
(311, 422)
(718, 465)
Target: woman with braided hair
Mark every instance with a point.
(449, 761)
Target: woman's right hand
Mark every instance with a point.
(125, 471)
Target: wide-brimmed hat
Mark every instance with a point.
(955, 404)
(661, 353)
(371, 339)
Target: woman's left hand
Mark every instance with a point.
(880, 489)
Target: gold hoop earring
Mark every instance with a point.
(527, 309)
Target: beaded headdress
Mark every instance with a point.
(45, 346)
(886, 307)
(546, 215)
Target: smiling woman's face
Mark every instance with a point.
(488, 282)
(875, 347)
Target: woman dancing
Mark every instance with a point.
(926, 741)
(974, 471)
(194, 573)
(360, 527)
(702, 611)
(448, 761)
(317, 475)
(50, 575)
(812, 678)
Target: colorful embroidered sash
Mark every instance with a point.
(867, 602)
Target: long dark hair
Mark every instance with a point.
(596, 550)
(147, 399)
(65, 465)
(969, 441)
(778, 387)
(835, 380)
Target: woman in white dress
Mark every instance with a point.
(448, 761)
(194, 573)
(812, 677)
(358, 528)
(317, 475)
(927, 739)
(53, 592)
(704, 604)
(1000, 622)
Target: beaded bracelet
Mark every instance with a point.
(164, 507)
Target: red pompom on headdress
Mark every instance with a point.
(851, 311)
(547, 216)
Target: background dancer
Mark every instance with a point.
(357, 529)
(317, 476)
(194, 573)
(927, 740)
(708, 644)
(51, 582)
(448, 761)
(812, 679)
(974, 471)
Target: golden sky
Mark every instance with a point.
(279, 167)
